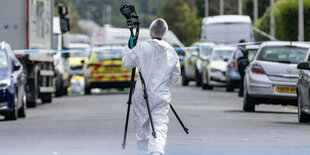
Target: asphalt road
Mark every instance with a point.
(93, 125)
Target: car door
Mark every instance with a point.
(190, 63)
(17, 74)
(304, 86)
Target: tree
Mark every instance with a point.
(189, 26)
(73, 16)
(248, 7)
(286, 20)
(182, 18)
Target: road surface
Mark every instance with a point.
(94, 125)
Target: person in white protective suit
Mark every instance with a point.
(159, 65)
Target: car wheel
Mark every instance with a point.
(87, 89)
(184, 79)
(248, 102)
(14, 114)
(302, 117)
(205, 83)
(229, 87)
(22, 110)
(198, 78)
(33, 89)
(65, 91)
(46, 98)
(59, 86)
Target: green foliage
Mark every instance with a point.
(286, 20)
(263, 24)
(93, 10)
(248, 8)
(182, 18)
(73, 16)
(190, 26)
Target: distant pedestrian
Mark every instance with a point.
(241, 61)
(159, 64)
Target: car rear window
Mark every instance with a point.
(222, 54)
(3, 60)
(283, 54)
(252, 53)
(108, 55)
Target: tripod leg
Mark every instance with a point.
(175, 113)
(132, 81)
(150, 116)
(147, 104)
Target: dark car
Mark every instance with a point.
(12, 84)
(303, 87)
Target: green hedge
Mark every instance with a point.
(286, 21)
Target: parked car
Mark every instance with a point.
(303, 87)
(192, 68)
(12, 84)
(272, 76)
(104, 69)
(232, 76)
(214, 70)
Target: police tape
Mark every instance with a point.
(37, 51)
(210, 46)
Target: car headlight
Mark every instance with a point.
(5, 83)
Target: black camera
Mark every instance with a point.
(127, 10)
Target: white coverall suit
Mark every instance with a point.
(159, 65)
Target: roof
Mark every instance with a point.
(283, 43)
(226, 19)
(252, 46)
(204, 44)
(3, 45)
(223, 47)
(107, 48)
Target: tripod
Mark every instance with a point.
(127, 11)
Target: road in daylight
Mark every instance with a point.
(94, 125)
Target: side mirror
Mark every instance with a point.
(226, 60)
(303, 65)
(82, 61)
(16, 66)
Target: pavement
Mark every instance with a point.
(94, 125)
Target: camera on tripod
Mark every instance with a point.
(127, 10)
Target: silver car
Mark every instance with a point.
(214, 71)
(272, 76)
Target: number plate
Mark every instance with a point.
(289, 90)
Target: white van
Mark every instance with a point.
(109, 35)
(227, 29)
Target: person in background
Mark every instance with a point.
(241, 61)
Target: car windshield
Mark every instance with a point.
(3, 60)
(75, 52)
(291, 55)
(222, 54)
(108, 55)
(252, 53)
(206, 50)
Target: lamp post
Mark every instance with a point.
(272, 33)
(240, 7)
(300, 20)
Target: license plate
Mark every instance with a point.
(289, 90)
